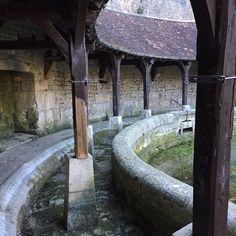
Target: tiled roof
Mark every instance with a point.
(147, 37)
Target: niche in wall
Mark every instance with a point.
(18, 110)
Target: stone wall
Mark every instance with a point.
(166, 86)
(50, 106)
(36, 104)
(6, 106)
(157, 202)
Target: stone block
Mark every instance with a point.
(186, 107)
(146, 113)
(186, 231)
(90, 140)
(80, 205)
(115, 123)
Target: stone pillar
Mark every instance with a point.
(80, 206)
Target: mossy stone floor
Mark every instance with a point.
(177, 162)
(45, 216)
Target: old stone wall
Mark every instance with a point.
(6, 106)
(166, 86)
(49, 108)
(39, 105)
(31, 103)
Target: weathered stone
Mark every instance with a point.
(186, 231)
(90, 140)
(146, 113)
(46, 105)
(115, 123)
(186, 107)
(112, 219)
(80, 206)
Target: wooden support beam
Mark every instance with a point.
(26, 44)
(104, 65)
(145, 67)
(52, 32)
(53, 10)
(184, 68)
(47, 68)
(79, 69)
(116, 61)
(214, 115)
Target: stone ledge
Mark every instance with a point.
(17, 191)
(163, 204)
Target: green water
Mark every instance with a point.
(178, 161)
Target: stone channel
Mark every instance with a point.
(45, 215)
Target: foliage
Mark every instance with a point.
(140, 10)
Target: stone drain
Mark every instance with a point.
(45, 216)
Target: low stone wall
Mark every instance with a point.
(159, 203)
(17, 191)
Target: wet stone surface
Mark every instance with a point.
(45, 216)
(14, 140)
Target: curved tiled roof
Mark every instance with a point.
(147, 37)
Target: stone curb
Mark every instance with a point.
(144, 187)
(17, 191)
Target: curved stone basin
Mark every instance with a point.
(158, 202)
(177, 161)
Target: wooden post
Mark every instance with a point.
(184, 68)
(116, 60)
(146, 66)
(214, 115)
(76, 56)
(79, 73)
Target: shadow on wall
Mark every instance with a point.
(18, 109)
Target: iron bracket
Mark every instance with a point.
(85, 82)
(209, 79)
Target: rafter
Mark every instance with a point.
(35, 11)
(27, 44)
(52, 32)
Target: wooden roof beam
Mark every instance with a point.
(26, 44)
(52, 32)
(38, 11)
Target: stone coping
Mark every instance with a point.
(163, 204)
(17, 191)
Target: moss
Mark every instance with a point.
(159, 143)
(50, 128)
(140, 10)
(94, 120)
(135, 113)
(177, 160)
(105, 118)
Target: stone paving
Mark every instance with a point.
(21, 148)
(14, 140)
(12, 159)
(45, 217)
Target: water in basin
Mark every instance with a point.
(177, 162)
